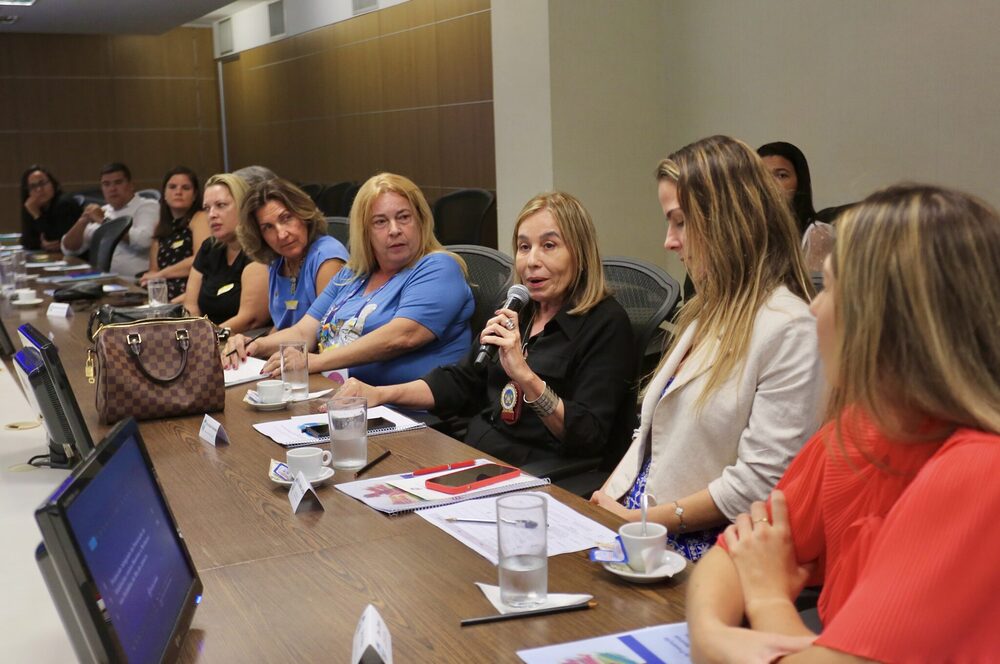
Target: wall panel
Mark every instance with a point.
(75, 102)
(408, 89)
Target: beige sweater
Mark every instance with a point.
(745, 435)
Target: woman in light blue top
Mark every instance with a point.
(281, 227)
(399, 308)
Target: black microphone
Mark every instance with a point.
(517, 297)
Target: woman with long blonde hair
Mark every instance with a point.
(399, 307)
(892, 506)
(737, 393)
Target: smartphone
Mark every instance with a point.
(469, 479)
(323, 430)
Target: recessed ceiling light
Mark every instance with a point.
(17, 3)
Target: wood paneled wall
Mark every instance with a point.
(76, 102)
(407, 89)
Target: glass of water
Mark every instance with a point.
(157, 289)
(522, 539)
(295, 370)
(348, 418)
(7, 277)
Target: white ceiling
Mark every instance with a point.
(117, 16)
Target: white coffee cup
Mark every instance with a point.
(307, 460)
(26, 294)
(270, 391)
(645, 552)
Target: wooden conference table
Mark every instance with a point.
(286, 587)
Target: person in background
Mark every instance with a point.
(183, 226)
(561, 384)
(46, 214)
(789, 167)
(131, 256)
(281, 227)
(738, 391)
(224, 284)
(401, 305)
(254, 175)
(892, 506)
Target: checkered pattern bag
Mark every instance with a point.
(157, 368)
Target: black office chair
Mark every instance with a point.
(649, 296)
(459, 217)
(331, 201)
(104, 241)
(313, 190)
(340, 228)
(490, 274)
(348, 201)
(86, 196)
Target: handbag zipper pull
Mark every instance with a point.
(89, 370)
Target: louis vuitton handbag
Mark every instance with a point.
(160, 367)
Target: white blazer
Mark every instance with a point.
(746, 433)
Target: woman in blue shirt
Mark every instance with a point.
(281, 227)
(399, 308)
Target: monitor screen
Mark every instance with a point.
(6, 345)
(111, 524)
(74, 428)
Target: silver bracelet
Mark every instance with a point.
(546, 402)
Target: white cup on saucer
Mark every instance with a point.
(270, 391)
(310, 461)
(26, 294)
(645, 552)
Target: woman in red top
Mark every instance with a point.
(892, 506)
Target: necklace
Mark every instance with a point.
(293, 277)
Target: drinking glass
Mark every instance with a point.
(7, 278)
(348, 418)
(295, 370)
(522, 525)
(157, 289)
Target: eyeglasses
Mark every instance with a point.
(38, 185)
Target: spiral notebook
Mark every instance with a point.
(288, 432)
(385, 495)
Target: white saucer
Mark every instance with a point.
(264, 406)
(672, 564)
(323, 478)
(27, 303)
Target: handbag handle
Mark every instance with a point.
(134, 341)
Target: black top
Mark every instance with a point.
(54, 221)
(588, 360)
(174, 248)
(219, 298)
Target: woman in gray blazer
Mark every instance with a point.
(738, 392)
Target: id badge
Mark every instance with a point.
(177, 244)
(225, 289)
(291, 305)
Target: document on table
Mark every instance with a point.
(569, 530)
(661, 644)
(247, 372)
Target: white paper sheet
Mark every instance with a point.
(247, 372)
(569, 530)
(662, 644)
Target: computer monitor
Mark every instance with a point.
(6, 345)
(113, 558)
(67, 429)
(37, 385)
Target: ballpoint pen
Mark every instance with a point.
(447, 466)
(525, 614)
(368, 466)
